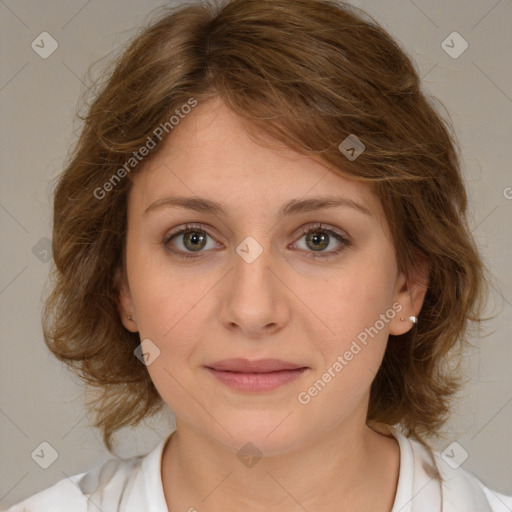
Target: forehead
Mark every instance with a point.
(210, 154)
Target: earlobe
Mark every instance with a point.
(124, 301)
(410, 293)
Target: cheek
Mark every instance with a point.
(164, 296)
(350, 300)
(356, 311)
(359, 314)
(172, 310)
(172, 321)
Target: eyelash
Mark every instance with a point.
(304, 231)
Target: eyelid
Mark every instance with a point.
(342, 237)
(322, 226)
(190, 226)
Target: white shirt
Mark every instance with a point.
(135, 485)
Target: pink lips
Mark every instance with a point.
(261, 375)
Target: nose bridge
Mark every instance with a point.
(252, 298)
(252, 262)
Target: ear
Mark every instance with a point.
(125, 304)
(410, 292)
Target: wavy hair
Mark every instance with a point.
(307, 73)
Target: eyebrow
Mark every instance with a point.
(293, 207)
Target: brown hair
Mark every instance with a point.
(307, 73)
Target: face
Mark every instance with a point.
(318, 288)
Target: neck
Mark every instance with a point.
(344, 469)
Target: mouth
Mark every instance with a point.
(255, 376)
(242, 365)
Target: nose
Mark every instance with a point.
(254, 299)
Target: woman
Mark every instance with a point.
(263, 226)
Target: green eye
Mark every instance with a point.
(194, 239)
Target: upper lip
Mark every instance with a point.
(258, 366)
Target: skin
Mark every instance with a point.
(319, 456)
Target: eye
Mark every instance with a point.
(193, 239)
(319, 236)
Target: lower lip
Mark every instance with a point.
(256, 381)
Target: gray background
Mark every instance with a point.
(41, 401)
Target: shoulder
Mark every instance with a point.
(461, 490)
(102, 485)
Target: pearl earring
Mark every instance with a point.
(413, 319)
(129, 317)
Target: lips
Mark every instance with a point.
(263, 375)
(241, 365)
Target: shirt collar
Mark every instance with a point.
(418, 487)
